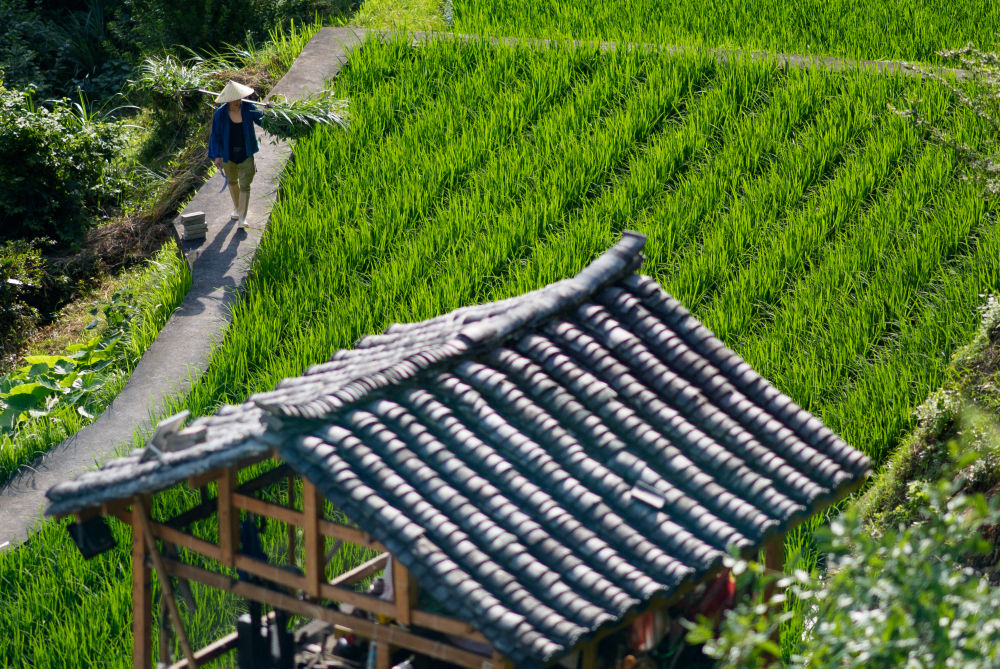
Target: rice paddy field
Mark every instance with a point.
(890, 30)
(823, 238)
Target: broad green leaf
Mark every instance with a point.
(37, 369)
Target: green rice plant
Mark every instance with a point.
(763, 206)
(891, 30)
(652, 168)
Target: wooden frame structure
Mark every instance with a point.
(304, 589)
(315, 595)
(308, 594)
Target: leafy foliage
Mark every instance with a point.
(22, 271)
(171, 87)
(175, 88)
(205, 25)
(902, 598)
(52, 162)
(977, 91)
(48, 381)
(964, 409)
(55, 395)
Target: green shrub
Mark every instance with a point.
(28, 51)
(73, 379)
(52, 161)
(52, 396)
(22, 272)
(209, 25)
(905, 597)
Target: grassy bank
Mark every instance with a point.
(146, 295)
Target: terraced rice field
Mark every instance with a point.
(888, 30)
(820, 236)
(811, 228)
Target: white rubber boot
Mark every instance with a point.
(244, 205)
(234, 193)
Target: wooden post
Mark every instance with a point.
(164, 634)
(774, 563)
(383, 655)
(165, 586)
(291, 527)
(142, 604)
(229, 526)
(405, 591)
(588, 656)
(315, 543)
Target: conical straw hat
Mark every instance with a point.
(233, 91)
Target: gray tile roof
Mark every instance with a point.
(543, 465)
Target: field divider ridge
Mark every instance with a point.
(834, 63)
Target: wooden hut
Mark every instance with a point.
(539, 471)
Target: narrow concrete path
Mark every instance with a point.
(219, 265)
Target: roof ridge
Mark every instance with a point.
(622, 259)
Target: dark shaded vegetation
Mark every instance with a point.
(91, 168)
(61, 46)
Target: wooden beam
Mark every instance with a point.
(207, 507)
(446, 625)
(142, 601)
(271, 572)
(165, 586)
(185, 540)
(349, 534)
(228, 519)
(394, 636)
(312, 512)
(117, 509)
(290, 482)
(433, 621)
(383, 655)
(588, 656)
(268, 510)
(198, 480)
(357, 599)
(163, 637)
(774, 554)
(498, 660)
(774, 562)
(217, 648)
(362, 571)
(212, 651)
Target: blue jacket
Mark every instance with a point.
(218, 141)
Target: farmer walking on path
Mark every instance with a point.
(233, 142)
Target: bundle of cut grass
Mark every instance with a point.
(292, 119)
